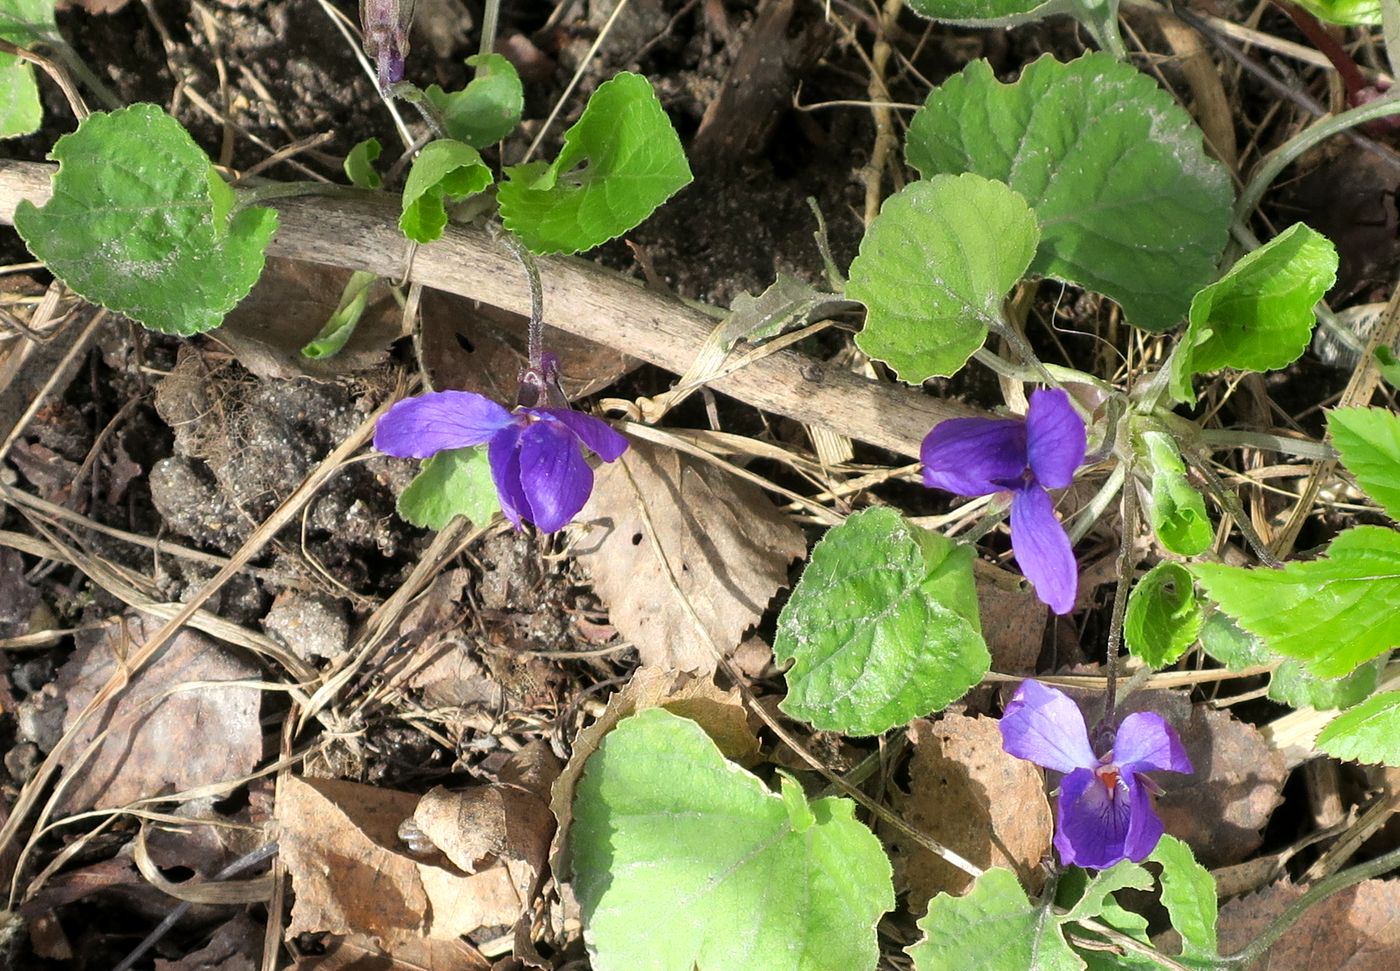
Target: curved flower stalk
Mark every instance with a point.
(1105, 807)
(982, 456)
(535, 453)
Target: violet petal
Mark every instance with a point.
(1093, 823)
(554, 474)
(424, 425)
(503, 454)
(1055, 438)
(1042, 725)
(1145, 826)
(1042, 549)
(597, 434)
(1145, 742)
(974, 456)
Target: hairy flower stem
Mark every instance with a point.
(1120, 601)
(489, 18)
(1013, 337)
(536, 339)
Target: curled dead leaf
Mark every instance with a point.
(352, 874)
(1222, 807)
(727, 548)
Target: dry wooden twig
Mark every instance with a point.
(581, 298)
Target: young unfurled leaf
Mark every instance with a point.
(994, 927)
(1128, 202)
(682, 859)
(140, 223)
(452, 483)
(445, 171)
(341, 324)
(488, 108)
(1368, 733)
(1259, 315)
(1293, 684)
(934, 268)
(1188, 893)
(1368, 440)
(359, 164)
(1177, 511)
(883, 626)
(1333, 613)
(1163, 616)
(620, 161)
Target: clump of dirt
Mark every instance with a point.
(241, 446)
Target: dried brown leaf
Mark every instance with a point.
(719, 712)
(360, 953)
(352, 874)
(236, 946)
(1013, 620)
(467, 346)
(727, 546)
(508, 822)
(173, 728)
(1357, 929)
(1220, 808)
(289, 305)
(966, 792)
(18, 598)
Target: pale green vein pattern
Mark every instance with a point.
(139, 222)
(1333, 613)
(994, 927)
(620, 161)
(934, 268)
(882, 628)
(682, 859)
(1129, 204)
(1369, 733)
(1368, 440)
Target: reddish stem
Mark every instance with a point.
(1352, 79)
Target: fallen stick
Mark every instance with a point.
(579, 297)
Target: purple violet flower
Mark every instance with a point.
(1105, 811)
(386, 26)
(535, 453)
(981, 456)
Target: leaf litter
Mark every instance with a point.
(727, 553)
(446, 672)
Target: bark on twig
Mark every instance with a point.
(579, 297)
